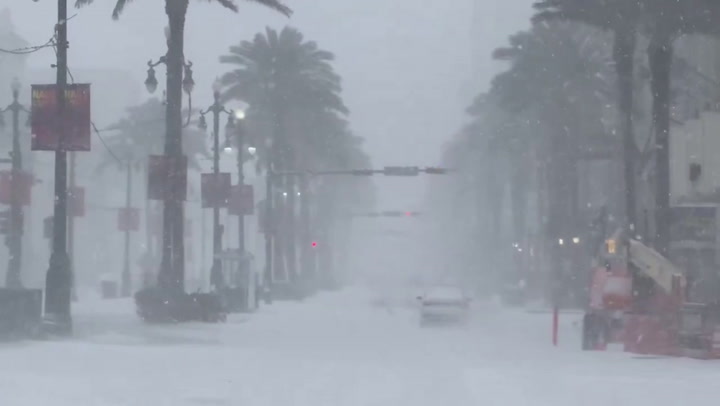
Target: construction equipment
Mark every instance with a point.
(644, 308)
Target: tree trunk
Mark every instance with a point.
(660, 54)
(172, 273)
(624, 54)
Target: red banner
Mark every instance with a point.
(242, 200)
(76, 201)
(215, 191)
(48, 124)
(24, 187)
(128, 219)
(167, 178)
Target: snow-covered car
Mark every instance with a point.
(444, 304)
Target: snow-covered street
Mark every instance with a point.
(337, 349)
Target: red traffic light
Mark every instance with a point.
(314, 244)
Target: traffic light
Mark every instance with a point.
(611, 246)
(435, 171)
(5, 222)
(314, 244)
(401, 171)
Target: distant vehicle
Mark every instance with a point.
(444, 305)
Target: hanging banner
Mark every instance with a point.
(76, 201)
(24, 182)
(242, 201)
(167, 178)
(48, 124)
(215, 191)
(128, 219)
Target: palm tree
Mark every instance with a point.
(622, 18)
(172, 271)
(289, 83)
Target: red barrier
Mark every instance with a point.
(555, 322)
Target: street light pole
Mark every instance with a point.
(269, 222)
(241, 178)
(14, 239)
(179, 78)
(126, 286)
(216, 109)
(58, 284)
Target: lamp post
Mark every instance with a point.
(216, 109)
(172, 268)
(58, 282)
(269, 221)
(240, 141)
(14, 238)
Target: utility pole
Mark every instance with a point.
(13, 277)
(126, 286)
(58, 284)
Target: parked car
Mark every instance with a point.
(444, 305)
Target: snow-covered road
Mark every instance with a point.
(334, 350)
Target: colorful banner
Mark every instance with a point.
(242, 201)
(52, 131)
(167, 178)
(24, 181)
(215, 191)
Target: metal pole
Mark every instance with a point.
(71, 226)
(215, 271)
(269, 228)
(58, 284)
(13, 278)
(126, 280)
(241, 183)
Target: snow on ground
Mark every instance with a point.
(337, 349)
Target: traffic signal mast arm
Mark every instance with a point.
(387, 171)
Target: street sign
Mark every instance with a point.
(24, 182)
(401, 171)
(242, 201)
(167, 178)
(215, 191)
(76, 201)
(128, 219)
(47, 123)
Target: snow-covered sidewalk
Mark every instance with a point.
(337, 349)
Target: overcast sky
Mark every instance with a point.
(409, 70)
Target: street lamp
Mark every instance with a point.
(172, 269)
(216, 109)
(15, 231)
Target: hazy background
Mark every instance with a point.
(408, 70)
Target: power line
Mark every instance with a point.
(102, 140)
(30, 49)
